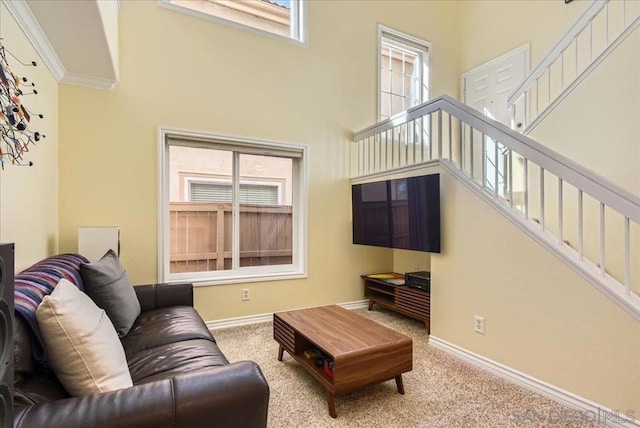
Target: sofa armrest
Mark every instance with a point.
(232, 395)
(154, 296)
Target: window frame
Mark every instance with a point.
(404, 41)
(297, 27)
(298, 267)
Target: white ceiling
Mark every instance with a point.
(78, 39)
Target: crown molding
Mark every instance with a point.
(31, 28)
(36, 35)
(88, 81)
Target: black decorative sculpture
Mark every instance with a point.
(14, 116)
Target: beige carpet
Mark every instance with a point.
(440, 391)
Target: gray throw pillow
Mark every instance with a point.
(106, 282)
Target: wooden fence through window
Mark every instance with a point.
(201, 236)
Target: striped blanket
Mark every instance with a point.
(39, 280)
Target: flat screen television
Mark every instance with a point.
(401, 213)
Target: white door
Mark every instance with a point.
(486, 89)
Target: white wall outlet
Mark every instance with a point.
(479, 324)
(245, 294)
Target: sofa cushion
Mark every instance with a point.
(167, 361)
(106, 282)
(163, 326)
(83, 347)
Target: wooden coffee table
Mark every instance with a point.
(363, 352)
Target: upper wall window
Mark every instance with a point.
(281, 17)
(403, 75)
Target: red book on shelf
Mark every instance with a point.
(327, 370)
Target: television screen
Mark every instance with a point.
(401, 213)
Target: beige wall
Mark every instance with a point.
(29, 195)
(546, 322)
(184, 72)
(541, 317)
(411, 261)
(596, 125)
(490, 28)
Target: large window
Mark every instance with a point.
(281, 17)
(232, 209)
(403, 75)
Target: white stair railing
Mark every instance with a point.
(598, 32)
(587, 221)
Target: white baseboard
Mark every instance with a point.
(260, 318)
(592, 411)
(239, 321)
(358, 304)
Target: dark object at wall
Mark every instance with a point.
(6, 334)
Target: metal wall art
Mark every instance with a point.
(15, 118)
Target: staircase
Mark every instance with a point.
(590, 223)
(584, 219)
(598, 32)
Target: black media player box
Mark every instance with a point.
(420, 279)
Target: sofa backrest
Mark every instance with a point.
(23, 366)
(34, 381)
(39, 280)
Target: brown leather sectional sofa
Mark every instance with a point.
(180, 376)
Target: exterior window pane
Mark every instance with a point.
(200, 232)
(281, 17)
(397, 104)
(385, 106)
(403, 72)
(266, 230)
(231, 212)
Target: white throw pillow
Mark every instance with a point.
(82, 344)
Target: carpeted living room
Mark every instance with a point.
(292, 213)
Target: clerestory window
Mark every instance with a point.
(281, 17)
(403, 75)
